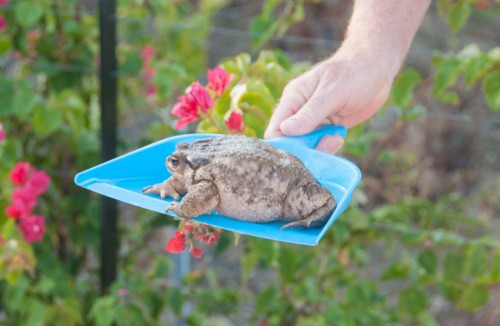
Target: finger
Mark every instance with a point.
(311, 115)
(330, 144)
(290, 102)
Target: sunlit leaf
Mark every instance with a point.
(491, 89)
(457, 15)
(413, 300)
(28, 13)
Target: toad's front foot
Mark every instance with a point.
(163, 189)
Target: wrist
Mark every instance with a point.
(384, 29)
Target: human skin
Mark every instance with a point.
(353, 84)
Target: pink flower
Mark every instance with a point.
(196, 252)
(4, 2)
(187, 108)
(177, 244)
(33, 36)
(33, 228)
(25, 194)
(199, 96)
(148, 52)
(148, 72)
(20, 173)
(39, 182)
(122, 292)
(3, 23)
(17, 209)
(186, 111)
(218, 80)
(151, 90)
(2, 133)
(234, 121)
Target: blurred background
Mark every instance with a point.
(419, 245)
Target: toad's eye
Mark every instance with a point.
(174, 162)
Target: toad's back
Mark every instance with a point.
(253, 178)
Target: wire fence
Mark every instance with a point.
(234, 12)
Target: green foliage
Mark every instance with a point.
(274, 20)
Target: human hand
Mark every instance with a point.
(354, 83)
(346, 89)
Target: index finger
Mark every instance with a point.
(291, 101)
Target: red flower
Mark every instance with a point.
(177, 244)
(148, 52)
(39, 182)
(234, 121)
(27, 195)
(17, 209)
(4, 2)
(482, 4)
(3, 23)
(218, 80)
(33, 228)
(20, 173)
(196, 252)
(212, 238)
(2, 133)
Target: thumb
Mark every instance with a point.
(307, 118)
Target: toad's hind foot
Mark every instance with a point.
(316, 219)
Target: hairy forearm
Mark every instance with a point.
(386, 27)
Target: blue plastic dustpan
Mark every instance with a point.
(124, 177)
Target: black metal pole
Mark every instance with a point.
(109, 234)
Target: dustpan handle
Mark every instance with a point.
(312, 139)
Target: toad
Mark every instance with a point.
(244, 179)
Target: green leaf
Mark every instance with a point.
(36, 314)
(103, 311)
(453, 266)
(428, 260)
(161, 267)
(495, 271)
(491, 89)
(288, 261)
(267, 300)
(447, 72)
(28, 13)
(474, 297)
(133, 64)
(175, 299)
(5, 44)
(6, 94)
(476, 68)
(476, 260)
(248, 262)
(402, 90)
(397, 270)
(46, 120)
(359, 294)
(451, 291)
(261, 28)
(413, 301)
(414, 113)
(457, 15)
(24, 102)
